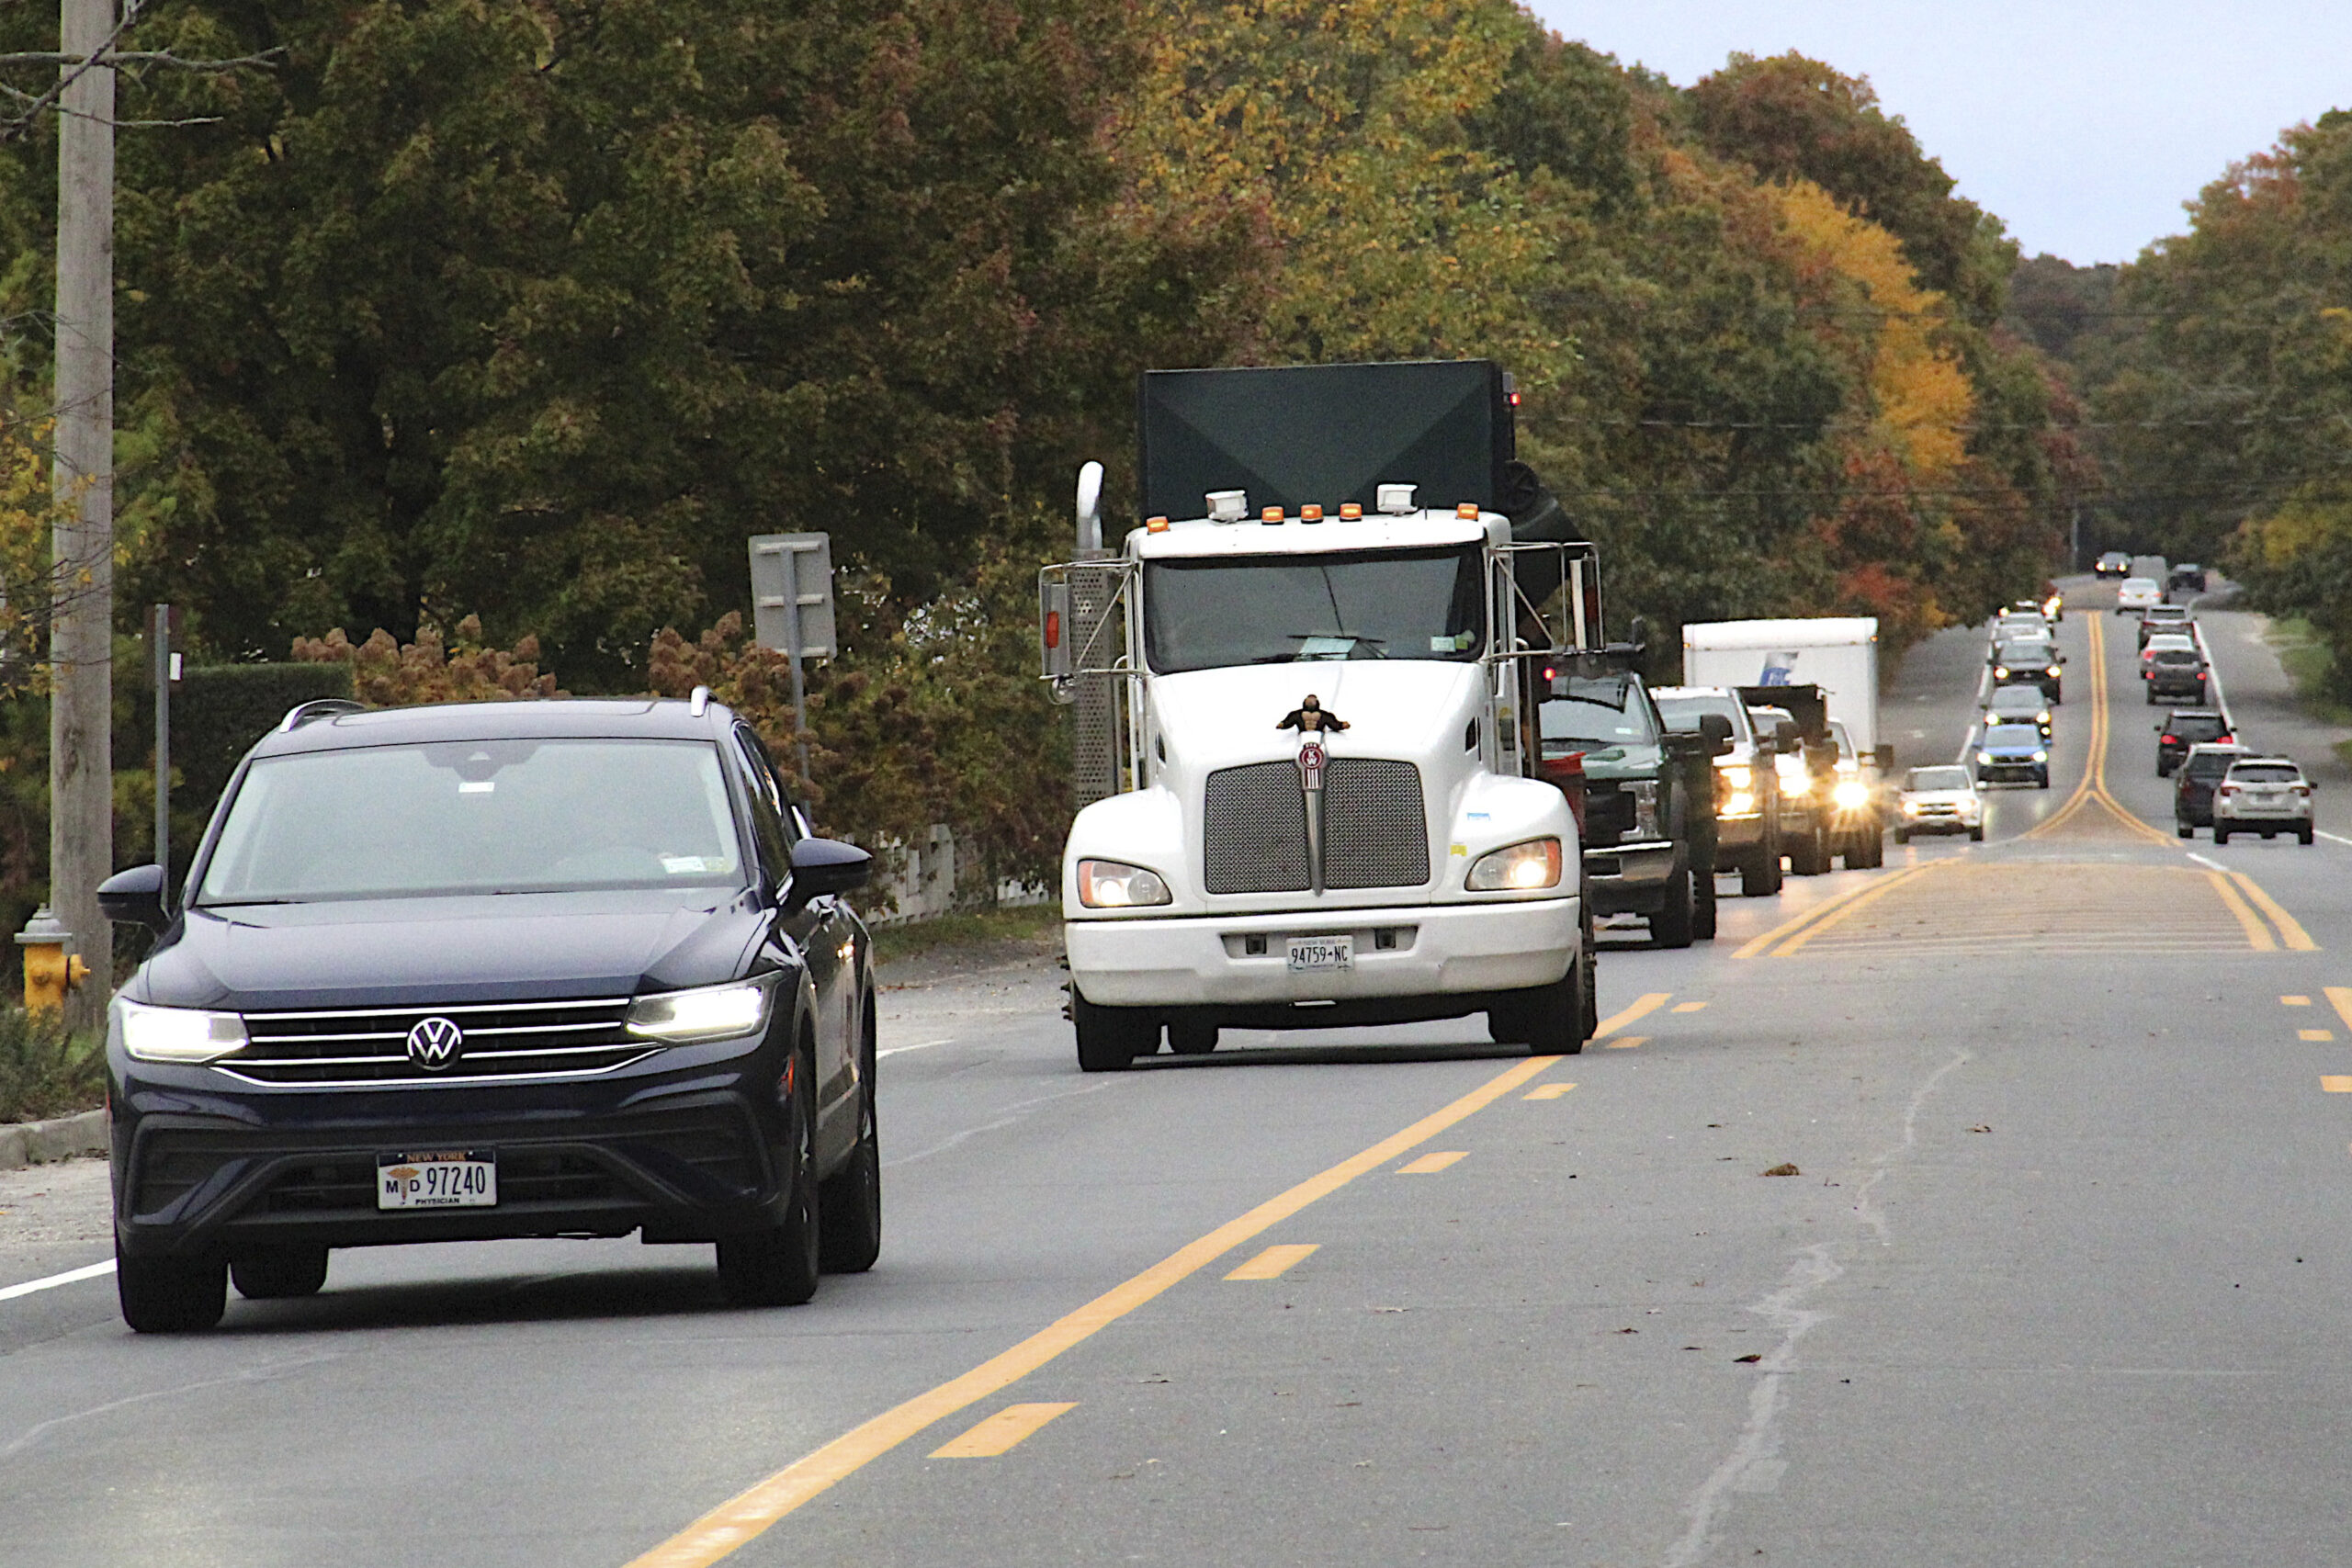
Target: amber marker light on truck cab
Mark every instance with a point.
(1350, 511)
(1155, 525)
(1310, 514)
(1467, 509)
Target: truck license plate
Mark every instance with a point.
(443, 1179)
(1311, 954)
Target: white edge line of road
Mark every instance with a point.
(2210, 864)
(71, 1277)
(924, 1045)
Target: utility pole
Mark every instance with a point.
(80, 742)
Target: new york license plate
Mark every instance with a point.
(438, 1178)
(1311, 953)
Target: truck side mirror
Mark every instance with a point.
(1714, 728)
(1885, 755)
(1054, 630)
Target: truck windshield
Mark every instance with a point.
(1597, 711)
(475, 818)
(1210, 614)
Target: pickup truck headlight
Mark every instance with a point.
(1521, 868)
(1739, 803)
(1851, 795)
(1984, 757)
(706, 1013)
(2041, 756)
(1738, 775)
(1644, 793)
(178, 1034)
(1113, 885)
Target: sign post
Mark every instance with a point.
(165, 661)
(792, 610)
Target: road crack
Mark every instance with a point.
(1754, 1463)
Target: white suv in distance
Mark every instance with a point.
(1941, 800)
(2264, 795)
(2138, 596)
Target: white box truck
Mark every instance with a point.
(1838, 808)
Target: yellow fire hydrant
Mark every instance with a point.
(49, 970)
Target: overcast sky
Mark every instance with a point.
(2082, 126)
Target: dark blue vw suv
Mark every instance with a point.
(494, 969)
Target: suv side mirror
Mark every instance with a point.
(135, 898)
(824, 866)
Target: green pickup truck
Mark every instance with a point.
(1649, 801)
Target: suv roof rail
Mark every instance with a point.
(699, 702)
(302, 714)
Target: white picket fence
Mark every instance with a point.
(921, 879)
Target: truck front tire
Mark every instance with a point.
(1550, 1020)
(1672, 925)
(1109, 1039)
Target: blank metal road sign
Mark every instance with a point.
(792, 586)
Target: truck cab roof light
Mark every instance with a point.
(1156, 524)
(1310, 514)
(1395, 500)
(1467, 509)
(1228, 505)
(1350, 512)
(1270, 514)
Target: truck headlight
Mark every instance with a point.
(1984, 758)
(2053, 671)
(2001, 673)
(2041, 756)
(1111, 885)
(1521, 868)
(1739, 776)
(178, 1034)
(1739, 803)
(1851, 795)
(1910, 808)
(1644, 793)
(706, 1013)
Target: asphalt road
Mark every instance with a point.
(2052, 1279)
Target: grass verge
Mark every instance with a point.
(45, 1072)
(909, 939)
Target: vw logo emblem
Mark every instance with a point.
(435, 1043)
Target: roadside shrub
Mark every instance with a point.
(44, 1071)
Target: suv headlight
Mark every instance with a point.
(178, 1034)
(706, 1013)
(1112, 885)
(1521, 868)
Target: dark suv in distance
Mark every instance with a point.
(2184, 728)
(2194, 781)
(490, 970)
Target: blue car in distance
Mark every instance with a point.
(2013, 753)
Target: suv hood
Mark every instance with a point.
(400, 952)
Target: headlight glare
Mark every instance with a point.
(178, 1034)
(1113, 885)
(1983, 757)
(707, 1012)
(1739, 776)
(1520, 868)
(2041, 756)
(1851, 794)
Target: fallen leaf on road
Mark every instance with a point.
(1980, 1127)
(1785, 1170)
(1751, 1355)
(1629, 1331)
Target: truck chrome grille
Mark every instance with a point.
(1375, 831)
(369, 1045)
(1253, 825)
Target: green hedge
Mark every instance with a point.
(218, 712)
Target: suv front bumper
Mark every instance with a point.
(687, 1151)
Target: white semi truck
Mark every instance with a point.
(1323, 647)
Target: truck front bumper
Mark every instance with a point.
(1629, 879)
(1415, 953)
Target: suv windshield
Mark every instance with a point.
(475, 816)
(1588, 711)
(1684, 712)
(1937, 778)
(1209, 614)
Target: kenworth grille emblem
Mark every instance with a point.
(435, 1043)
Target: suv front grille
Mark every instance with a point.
(1375, 831)
(369, 1045)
